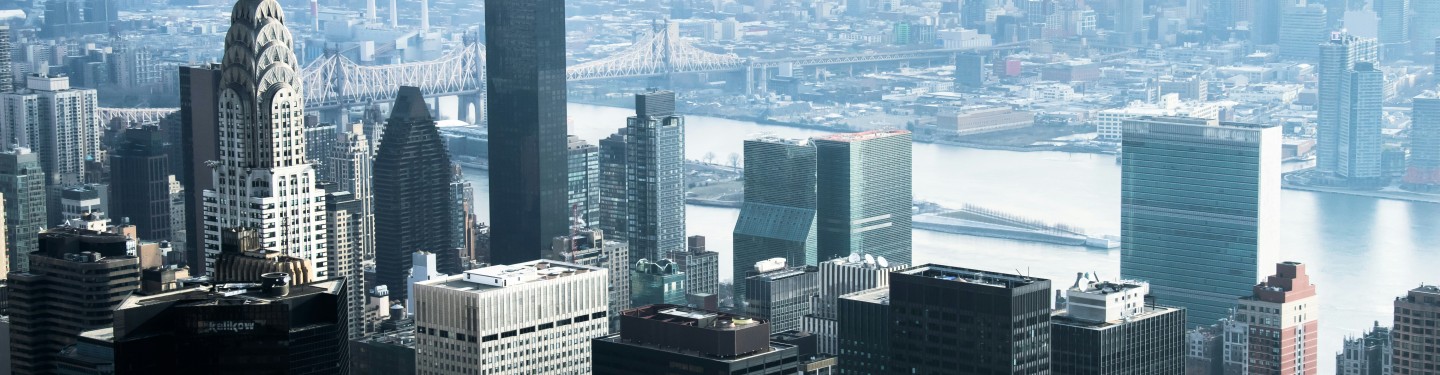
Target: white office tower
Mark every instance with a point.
(57, 122)
(351, 165)
(536, 317)
(262, 180)
(839, 277)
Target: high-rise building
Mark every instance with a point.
(75, 280)
(199, 143)
(74, 18)
(271, 327)
(782, 295)
(777, 218)
(863, 186)
(1412, 332)
(263, 180)
(1279, 324)
(589, 247)
(344, 227)
(320, 146)
(537, 316)
(1302, 27)
(701, 267)
(525, 85)
(140, 171)
(657, 282)
(584, 177)
(1394, 33)
(7, 77)
(987, 322)
(839, 277)
(1423, 169)
(412, 191)
(862, 331)
(22, 186)
(1265, 22)
(1371, 353)
(1110, 328)
(351, 168)
(1338, 57)
(462, 218)
(667, 338)
(1220, 19)
(1204, 242)
(970, 70)
(614, 219)
(1360, 140)
(55, 121)
(1130, 23)
(1205, 350)
(655, 177)
(1424, 25)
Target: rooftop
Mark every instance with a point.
(228, 294)
(680, 315)
(861, 136)
(1062, 317)
(502, 276)
(877, 296)
(966, 275)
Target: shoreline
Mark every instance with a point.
(1403, 196)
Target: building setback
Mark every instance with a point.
(655, 177)
(947, 320)
(863, 186)
(839, 277)
(140, 175)
(781, 295)
(1110, 328)
(271, 327)
(1200, 206)
(661, 338)
(777, 218)
(1279, 325)
(22, 187)
(537, 316)
(1412, 332)
(525, 86)
(412, 191)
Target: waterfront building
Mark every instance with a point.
(352, 168)
(584, 182)
(839, 277)
(590, 247)
(660, 337)
(614, 219)
(1302, 27)
(140, 172)
(538, 316)
(1111, 328)
(1412, 332)
(55, 121)
(199, 122)
(1337, 57)
(412, 191)
(701, 267)
(1360, 138)
(863, 185)
(1371, 353)
(658, 282)
(965, 338)
(263, 180)
(1277, 327)
(862, 331)
(782, 295)
(1200, 206)
(525, 90)
(1423, 169)
(970, 71)
(777, 218)
(76, 279)
(22, 187)
(655, 176)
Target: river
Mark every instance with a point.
(1361, 252)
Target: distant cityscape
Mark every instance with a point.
(432, 187)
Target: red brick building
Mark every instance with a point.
(1277, 328)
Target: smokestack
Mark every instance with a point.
(370, 11)
(424, 16)
(394, 16)
(315, 14)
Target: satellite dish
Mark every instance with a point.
(882, 262)
(854, 257)
(869, 259)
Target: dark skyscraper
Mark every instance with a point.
(951, 320)
(863, 331)
(614, 221)
(777, 219)
(863, 186)
(525, 52)
(670, 339)
(1110, 328)
(412, 191)
(199, 86)
(655, 175)
(140, 179)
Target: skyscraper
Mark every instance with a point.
(863, 186)
(1338, 57)
(140, 172)
(780, 294)
(7, 78)
(1423, 168)
(462, 214)
(537, 316)
(1371, 353)
(1111, 328)
(777, 218)
(1301, 28)
(22, 186)
(352, 168)
(584, 181)
(263, 180)
(655, 177)
(75, 281)
(970, 70)
(1265, 21)
(1413, 333)
(614, 219)
(839, 277)
(986, 322)
(1220, 18)
(1360, 140)
(1279, 324)
(525, 86)
(862, 331)
(1394, 33)
(199, 143)
(344, 224)
(1200, 206)
(412, 191)
(55, 121)
(1130, 22)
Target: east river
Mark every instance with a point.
(1361, 252)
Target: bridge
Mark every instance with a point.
(334, 83)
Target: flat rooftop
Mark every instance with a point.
(879, 296)
(686, 316)
(971, 276)
(503, 276)
(861, 136)
(1062, 317)
(231, 293)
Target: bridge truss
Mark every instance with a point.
(658, 52)
(334, 80)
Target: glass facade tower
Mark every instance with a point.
(655, 177)
(863, 186)
(777, 218)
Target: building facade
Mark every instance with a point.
(781, 295)
(1301, 28)
(1338, 56)
(1412, 332)
(583, 175)
(1371, 353)
(1360, 138)
(56, 122)
(614, 219)
(412, 191)
(862, 334)
(140, 173)
(344, 226)
(1423, 169)
(199, 123)
(351, 167)
(863, 186)
(1110, 328)
(658, 282)
(1199, 248)
(655, 177)
(1278, 325)
(536, 317)
(701, 267)
(777, 218)
(986, 322)
(22, 187)
(838, 277)
(671, 338)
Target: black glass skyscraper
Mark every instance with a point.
(952, 320)
(525, 72)
(412, 191)
(140, 174)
